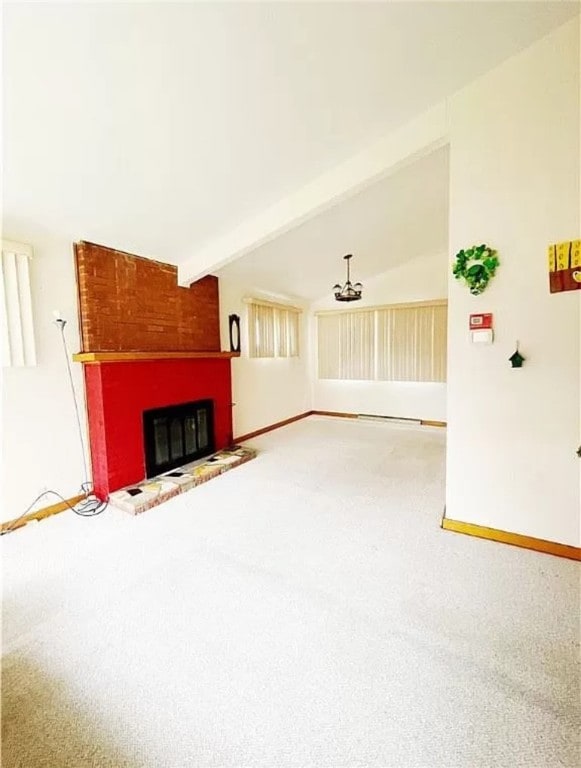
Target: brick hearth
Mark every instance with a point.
(151, 493)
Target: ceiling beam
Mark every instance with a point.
(420, 136)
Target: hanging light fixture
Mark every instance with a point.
(348, 292)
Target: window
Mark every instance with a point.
(346, 345)
(273, 329)
(405, 342)
(18, 347)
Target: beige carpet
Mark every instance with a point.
(302, 610)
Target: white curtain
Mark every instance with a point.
(411, 343)
(281, 321)
(260, 330)
(346, 343)
(273, 330)
(16, 321)
(294, 330)
(396, 343)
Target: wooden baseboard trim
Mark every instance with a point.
(515, 539)
(340, 414)
(423, 422)
(335, 413)
(270, 427)
(40, 514)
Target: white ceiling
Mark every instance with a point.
(156, 127)
(399, 218)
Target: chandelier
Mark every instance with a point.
(348, 292)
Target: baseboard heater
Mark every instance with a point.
(390, 419)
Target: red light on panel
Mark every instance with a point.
(481, 321)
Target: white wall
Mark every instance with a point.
(515, 161)
(417, 280)
(265, 390)
(40, 441)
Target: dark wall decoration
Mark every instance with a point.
(516, 359)
(234, 329)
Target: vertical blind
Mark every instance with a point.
(393, 343)
(346, 345)
(18, 347)
(273, 330)
(260, 330)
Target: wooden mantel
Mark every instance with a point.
(127, 357)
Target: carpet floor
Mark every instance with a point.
(302, 610)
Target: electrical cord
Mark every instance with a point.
(60, 323)
(90, 505)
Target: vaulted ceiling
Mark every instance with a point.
(158, 127)
(401, 217)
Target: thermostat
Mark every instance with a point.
(484, 336)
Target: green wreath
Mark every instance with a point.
(476, 266)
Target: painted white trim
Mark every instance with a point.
(265, 303)
(11, 246)
(399, 305)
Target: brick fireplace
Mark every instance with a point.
(147, 344)
(118, 393)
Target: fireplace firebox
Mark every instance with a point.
(177, 434)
